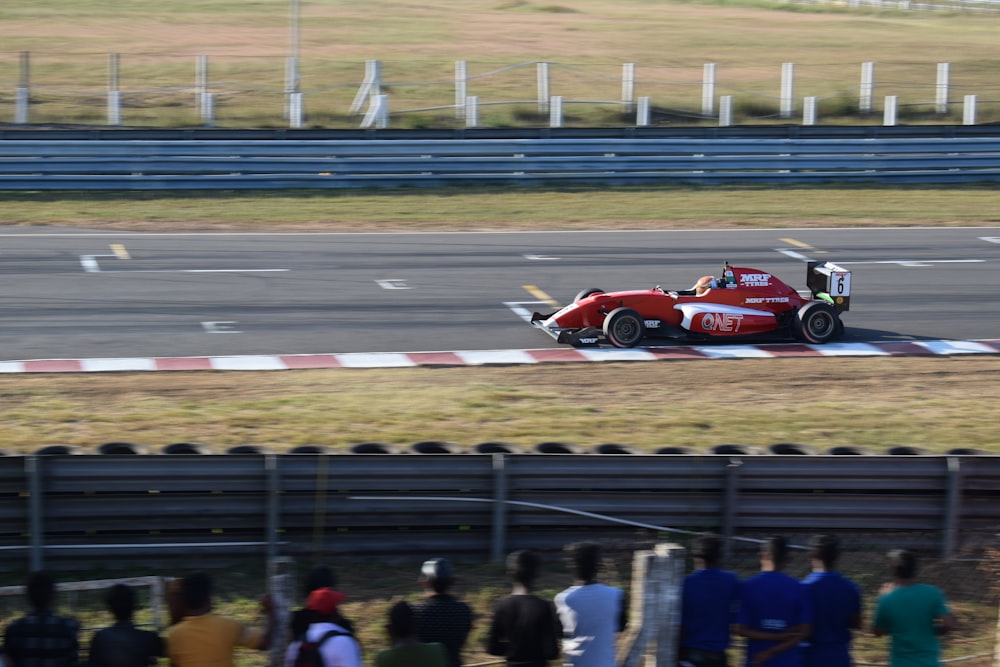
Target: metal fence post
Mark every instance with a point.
(628, 87)
(642, 114)
(969, 110)
(642, 611)
(461, 88)
(114, 94)
(33, 470)
(708, 89)
(787, 103)
(556, 111)
(471, 111)
(809, 111)
(889, 113)
(200, 84)
(295, 111)
(498, 541)
(542, 73)
(867, 87)
(22, 96)
(941, 99)
(725, 111)
(671, 560)
(729, 502)
(953, 507)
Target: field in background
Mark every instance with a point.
(587, 42)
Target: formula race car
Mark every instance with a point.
(743, 303)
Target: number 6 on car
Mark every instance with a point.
(744, 303)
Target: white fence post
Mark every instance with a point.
(628, 87)
(642, 114)
(708, 90)
(208, 109)
(867, 87)
(370, 88)
(725, 111)
(295, 111)
(556, 111)
(472, 111)
(22, 95)
(654, 616)
(809, 111)
(378, 113)
(969, 110)
(200, 84)
(542, 73)
(291, 83)
(941, 99)
(114, 94)
(461, 88)
(889, 115)
(787, 104)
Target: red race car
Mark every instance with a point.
(742, 303)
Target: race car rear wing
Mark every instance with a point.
(831, 283)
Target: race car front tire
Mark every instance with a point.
(817, 322)
(623, 327)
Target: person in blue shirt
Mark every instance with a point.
(709, 600)
(775, 615)
(836, 605)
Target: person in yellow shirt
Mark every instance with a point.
(205, 639)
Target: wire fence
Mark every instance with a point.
(173, 91)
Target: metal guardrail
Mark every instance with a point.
(349, 163)
(95, 507)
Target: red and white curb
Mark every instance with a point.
(501, 357)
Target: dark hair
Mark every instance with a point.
(196, 590)
(41, 590)
(826, 548)
(320, 576)
(903, 563)
(775, 548)
(523, 567)
(402, 621)
(120, 599)
(586, 557)
(438, 574)
(708, 547)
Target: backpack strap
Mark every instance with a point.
(330, 634)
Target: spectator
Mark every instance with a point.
(327, 627)
(205, 639)
(440, 616)
(836, 605)
(590, 612)
(123, 644)
(524, 629)
(912, 614)
(40, 638)
(406, 650)
(774, 613)
(320, 576)
(709, 601)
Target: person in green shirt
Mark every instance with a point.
(406, 651)
(912, 614)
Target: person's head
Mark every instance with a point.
(402, 621)
(196, 592)
(586, 559)
(321, 576)
(41, 590)
(704, 284)
(903, 564)
(825, 549)
(120, 600)
(774, 553)
(708, 549)
(323, 602)
(523, 567)
(437, 575)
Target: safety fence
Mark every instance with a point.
(231, 165)
(91, 508)
(130, 90)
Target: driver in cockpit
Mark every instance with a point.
(704, 285)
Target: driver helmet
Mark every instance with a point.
(704, 284)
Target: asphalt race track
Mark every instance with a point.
(77, 294)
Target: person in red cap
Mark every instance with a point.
(329, 629)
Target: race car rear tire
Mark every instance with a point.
(817, 322)
(583, 294)
(623, 327)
